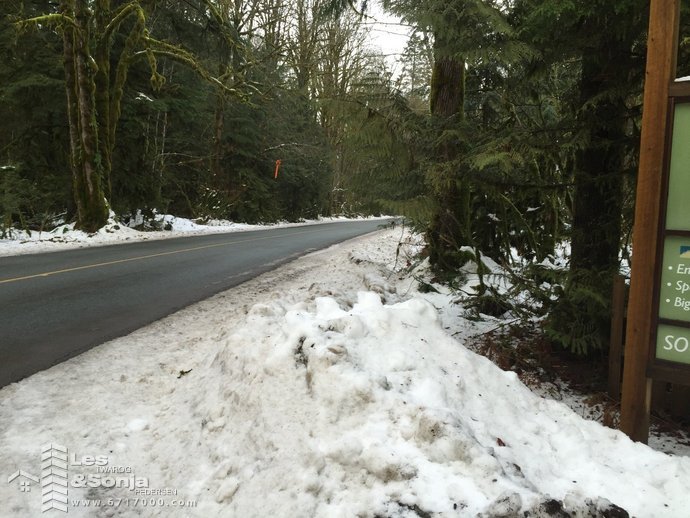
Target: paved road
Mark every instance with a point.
(57, 305)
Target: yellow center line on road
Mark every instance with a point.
(150, 256)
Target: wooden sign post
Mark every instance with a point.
(641, 329)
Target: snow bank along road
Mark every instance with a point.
(327, 388)
(57, 305)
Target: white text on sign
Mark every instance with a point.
(679, 344)
(680, 302)
(682, 286)
(683, 269)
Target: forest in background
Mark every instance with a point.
(512, 128)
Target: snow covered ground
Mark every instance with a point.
(66, 237)
(330, 387)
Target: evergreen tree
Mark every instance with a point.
(606, 41)
(33, 136)
(95, 88)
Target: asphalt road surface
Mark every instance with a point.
(54, 306)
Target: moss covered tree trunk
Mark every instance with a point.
(94, 95)
(450, 226)
(87, 172)
(102, 85)
(448, 87)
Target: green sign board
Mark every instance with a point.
(677, 213)
(673, 330)
(674, 300)
(673, 343)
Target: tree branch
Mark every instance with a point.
(55, 19)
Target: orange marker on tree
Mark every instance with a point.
(278, 162)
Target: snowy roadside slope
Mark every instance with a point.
(65, 237)
(325, 388)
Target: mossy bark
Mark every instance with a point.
(102, 84)
(94, 96)
(87, 172)
(450, 226)
(448, 87)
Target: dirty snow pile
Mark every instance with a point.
(371, 409)
(329, 388)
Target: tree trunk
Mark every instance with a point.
(448, 88)
(581, 319)
(216, 165)
(599, 177)
(92, 210)
(102, 89)
(450, 226)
